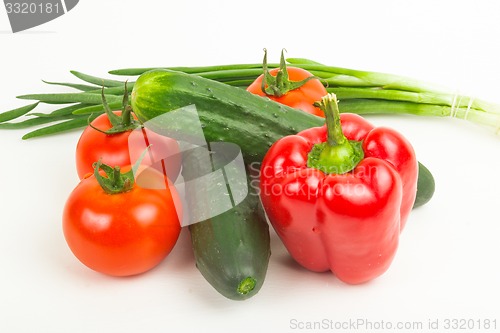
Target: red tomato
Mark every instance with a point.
(125, 148)
(301, 98)
(126, 233)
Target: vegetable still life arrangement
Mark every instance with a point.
(336, 189)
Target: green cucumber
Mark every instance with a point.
(425, 186)
(226, 113)
(231, 249)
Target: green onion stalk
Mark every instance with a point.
(361, 92)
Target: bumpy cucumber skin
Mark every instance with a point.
(232, 249)
(228, 114)
(231, 114)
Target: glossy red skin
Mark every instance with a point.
(125, 149)
(301, 98)
(350, 223)
(121, 234)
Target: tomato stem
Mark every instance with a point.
(119, 124)
(114, 181)
(280, 84)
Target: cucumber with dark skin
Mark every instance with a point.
(231, 249)
(425, 186)
(227, 114)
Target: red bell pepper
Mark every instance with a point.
(339, 195)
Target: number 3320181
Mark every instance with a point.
(32, 8)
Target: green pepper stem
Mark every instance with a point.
(330, 107)
(337, 155)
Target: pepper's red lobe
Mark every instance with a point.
(380, 143)
(347, 223)
(360, 219)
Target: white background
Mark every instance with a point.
(447, 264)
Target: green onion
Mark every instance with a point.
(82, 87)
(361, 92)
(15, 113)
(60, 127)
(97, 109)
(60, 112)
(97, 80)
(62, 98)
(34, 122)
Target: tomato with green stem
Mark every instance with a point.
(118, 139)
(120, 224)
(292, 86)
